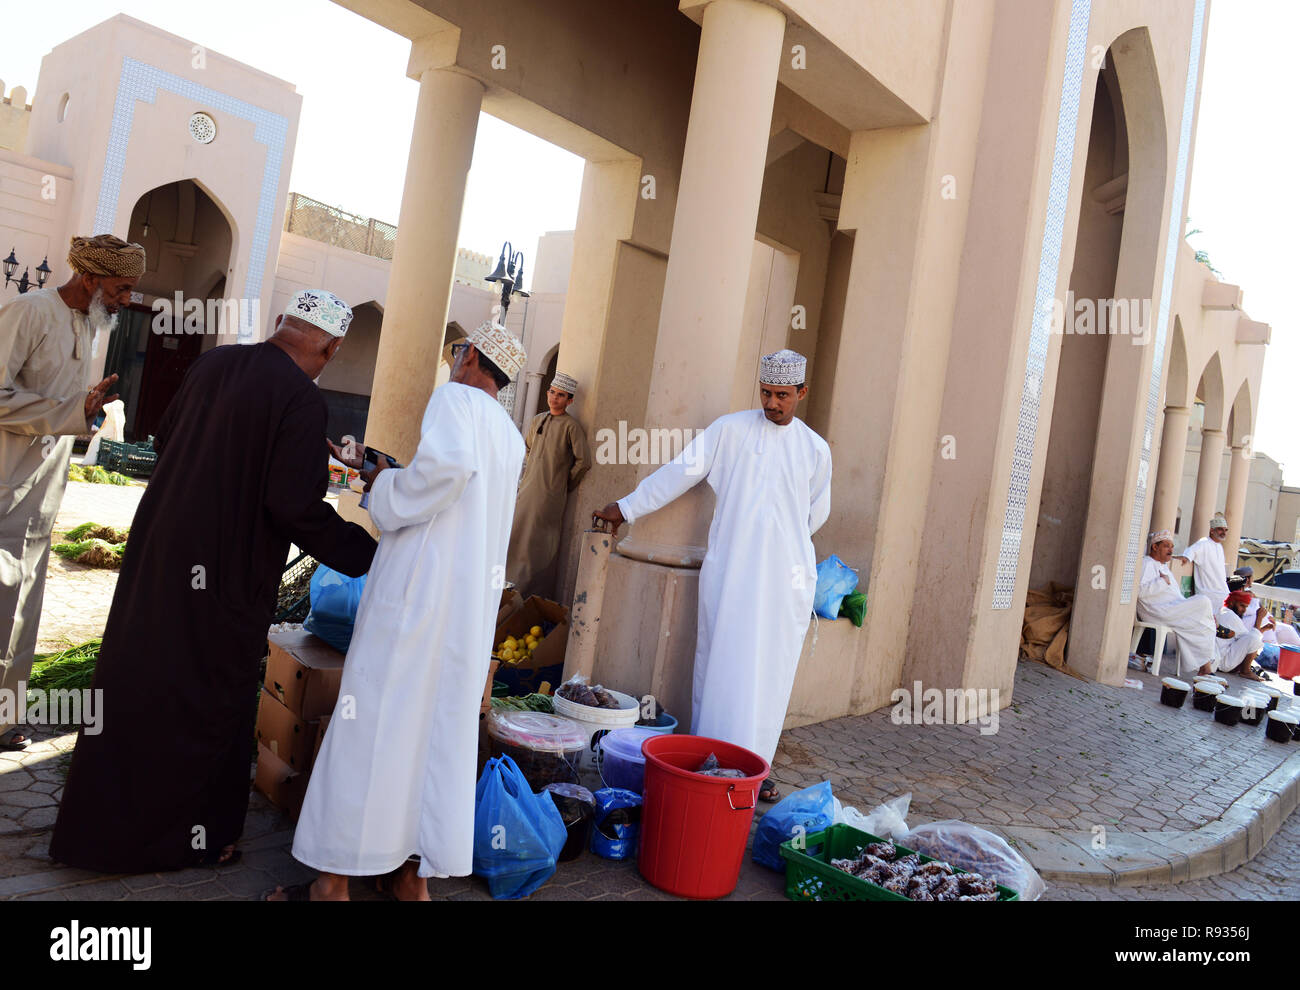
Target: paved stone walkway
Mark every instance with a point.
(952, 771)
(77, 598)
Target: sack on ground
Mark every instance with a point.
(977, 850)
(888, 820)
(334, 601)
(835, 579)
(801, 813)
(517, 834)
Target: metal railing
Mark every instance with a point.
(328, 224)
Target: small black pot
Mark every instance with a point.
(1281, 726)
(1227, 709)
(1203, 699)
(1173, 692)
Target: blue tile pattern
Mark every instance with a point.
(1022, 463)
(141, 82)
(1135, 540)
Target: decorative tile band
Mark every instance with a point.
(1022, 462)
(141, 82)
(1166, 300)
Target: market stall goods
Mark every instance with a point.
(936, 880)
(546, 748)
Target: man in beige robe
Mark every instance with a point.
(46, 355)
(557, 461)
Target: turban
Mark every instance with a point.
(1159, 536)
(1242, 597)
(785, 367)
(499, 346)
(1219, 521)
(321, 309)
(106, 255)
(565, 383)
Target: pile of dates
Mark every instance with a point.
(879, 863)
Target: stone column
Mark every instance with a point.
(1207, 484)
(1238, 482)
(530, 396)
(1169, 476)
(424, 259)
(710, 251)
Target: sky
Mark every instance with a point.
(1241, 196)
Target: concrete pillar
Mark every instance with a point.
(1207, 484)
(1169, 476)
(530, 398)
(710, 251)
(1238, 482)
(424, 259)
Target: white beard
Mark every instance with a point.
(97, 313)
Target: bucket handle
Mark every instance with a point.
(731, 801)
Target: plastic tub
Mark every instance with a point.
(664, 724)
(1282, 726)
(695, 828)
(1227, 709)
(595, 722)
(1204, 695)
(622, 764)
(1173, 692)
(545, 747)
(577, 807)
(1255, 705)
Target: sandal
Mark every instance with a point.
(767, 791)
(11, 744)
(298, 892)
(216, 862)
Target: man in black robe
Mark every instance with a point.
(242, 472)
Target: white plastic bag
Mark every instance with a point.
(888, 820)
(977, 850)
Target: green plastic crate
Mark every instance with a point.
(809, 875)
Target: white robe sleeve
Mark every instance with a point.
(21, 411)
(1151, 583)
(820, 509)
(675, 478)
(437, 475)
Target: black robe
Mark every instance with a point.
(242, 472)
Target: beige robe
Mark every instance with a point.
(558, 459)
(45, 352)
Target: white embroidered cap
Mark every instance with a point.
(785, 367)
(501, 347)
(565, 383)
(321, 309)
(1219, 521)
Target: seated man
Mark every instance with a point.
(1161, 601)
(1238, 651)
(1260, 619)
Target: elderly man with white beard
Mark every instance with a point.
(46, 400)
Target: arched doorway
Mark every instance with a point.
(347, 381)
(548, 376)
(188, 238)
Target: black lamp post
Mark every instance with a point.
(11, 265)
(510, 273)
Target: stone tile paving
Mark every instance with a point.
(77, 598)
(1067, 754)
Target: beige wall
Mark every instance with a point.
(15, 112)
(33, 225)
(1286, 526)
(353, 367)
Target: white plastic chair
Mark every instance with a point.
(1158, 649)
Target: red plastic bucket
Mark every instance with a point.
(694, 829)
(1288, 663)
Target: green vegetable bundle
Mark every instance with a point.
(94, 531)
(528, 703)
(68, 670)
(92, 553)
(96, 475)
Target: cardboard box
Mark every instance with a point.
(547, 661)
(487, 690)
(285, 734)
(283, 786)
(511, 602)
(304, 673)
(321, 726)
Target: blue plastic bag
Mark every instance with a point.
(811, 810)
(616, 829)
(835, 579)
(517, 834)
(334, 601)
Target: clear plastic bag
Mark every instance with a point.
(977, 850)
(888, 820)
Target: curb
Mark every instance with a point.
(1151, 857)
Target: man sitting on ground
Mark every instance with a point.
(1238, 651)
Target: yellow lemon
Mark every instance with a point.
(531, 642)
(507, 655)
(535, 632)
(511, 643)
